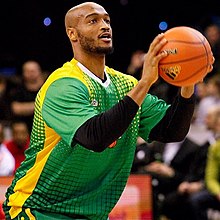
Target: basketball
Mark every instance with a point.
(189, 56)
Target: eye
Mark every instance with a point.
(93, 21)
(107, 20)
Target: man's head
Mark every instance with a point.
(20, 133)
(31, 71)
(211, 117)
(89, 30)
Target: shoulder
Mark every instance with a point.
(68, 70)
(116, 73)
(64, 77)
(9, 145)
(4, 150)
(209, 100)
(215, 149)
(216, 145)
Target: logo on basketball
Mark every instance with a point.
(172, 71)
(189, 56)
(171, 50)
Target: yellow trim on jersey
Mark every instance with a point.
(69, 69)
(29, 214)
(30, 179)
(21, 194)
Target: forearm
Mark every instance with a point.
(139, 92)
(23, 108)
(175, 124)
(102, 130)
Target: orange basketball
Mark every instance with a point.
(189, 59)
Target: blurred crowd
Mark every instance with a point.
(17, 96)
(185, 175)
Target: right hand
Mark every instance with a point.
(152, 58)
(150, 69)
(160, 169)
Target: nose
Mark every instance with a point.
(106, 26)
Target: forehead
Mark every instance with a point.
(19, 125)
(30, 65)
(90, 9)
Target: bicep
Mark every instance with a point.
(66, 107)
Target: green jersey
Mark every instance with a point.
(60, 176)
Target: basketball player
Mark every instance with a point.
(87, 120)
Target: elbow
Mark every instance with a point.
(98, 148)
(176, 136)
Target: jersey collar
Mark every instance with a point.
(93, 76)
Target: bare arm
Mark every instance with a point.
(22, 108)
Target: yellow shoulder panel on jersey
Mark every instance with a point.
(69, 69)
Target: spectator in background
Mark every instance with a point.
(201, 91)
(210, 196)
(176, 205)
(212, 98)
(136, 64)
(5, 110)
(207, 97)
(212, 33)
(23, 96)
(7, 161)
(19, 142)
(7, 164)
(168, 166)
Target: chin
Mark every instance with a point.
(105, 50)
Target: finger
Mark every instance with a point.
(156, 41)
(210, 68)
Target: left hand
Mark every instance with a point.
(187, 91)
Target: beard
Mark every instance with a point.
(88, 44)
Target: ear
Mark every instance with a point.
(72, 33)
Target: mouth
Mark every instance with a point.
(106, 37)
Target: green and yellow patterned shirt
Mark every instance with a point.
(60, 176)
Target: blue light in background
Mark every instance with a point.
(163, 25)
(47, 21)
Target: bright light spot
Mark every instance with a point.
(163, 25)
(140, 155)
(47, 21)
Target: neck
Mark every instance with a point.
(96, 64)
(34, 85)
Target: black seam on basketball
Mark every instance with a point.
(185, 42)
(185, 60)
(169, 67)
(203, 40)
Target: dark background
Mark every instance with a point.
(135, 23)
